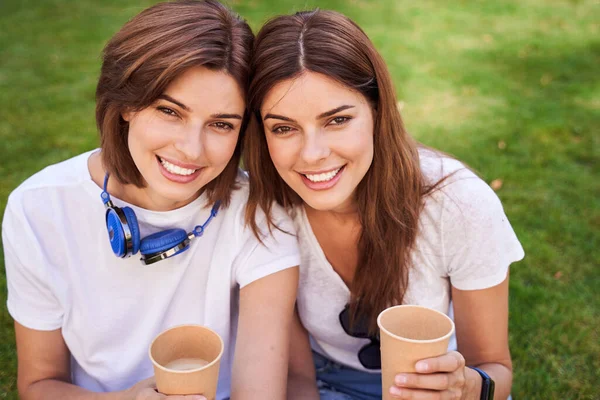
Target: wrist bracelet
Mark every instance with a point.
(487, 385)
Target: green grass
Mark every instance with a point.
(510, 87)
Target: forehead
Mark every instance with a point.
(203, 88)
(308, 95)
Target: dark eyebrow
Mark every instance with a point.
(226, 116)
(281, 117)
(324, 115)
(172, 100)
(334, 111)
(186, 108)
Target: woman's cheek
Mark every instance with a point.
(220, 147)
(285, 152)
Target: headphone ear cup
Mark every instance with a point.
(134, 228)
(116, 234)
(162, 241)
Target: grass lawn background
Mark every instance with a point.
(510, 87)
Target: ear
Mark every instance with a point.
(127, 115)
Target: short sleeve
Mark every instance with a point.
(278, 250)
(479, 244)
(31, 300)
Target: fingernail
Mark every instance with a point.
(401, 379)
(198, 398)
(422, 366)
(394, 391)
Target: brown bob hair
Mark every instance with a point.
(147, 54)
(390, 196)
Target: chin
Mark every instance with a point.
(323, 204)
(177, 195)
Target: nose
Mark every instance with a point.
(315, 147)
(190, 142)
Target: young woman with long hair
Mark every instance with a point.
(165, 184)
(381, 220)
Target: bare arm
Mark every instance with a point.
(263, 337)
(302, 381)
(44, 372)
(481, 318)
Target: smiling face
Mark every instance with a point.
(186, 138)
(320, 138)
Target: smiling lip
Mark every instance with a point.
(179, 164)
(178, 178)
(323, 185)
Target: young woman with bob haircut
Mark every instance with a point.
(381, 220)
(165, 184)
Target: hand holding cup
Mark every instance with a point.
(441, 377)
(146, 390)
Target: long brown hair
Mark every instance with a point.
(390, 196)
(152, 50)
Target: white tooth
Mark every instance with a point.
(326, 176)
(175, 169)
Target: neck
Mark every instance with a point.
(347, 215)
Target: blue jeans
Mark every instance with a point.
(337, 382)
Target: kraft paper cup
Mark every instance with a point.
(409, 334)
(187, 341)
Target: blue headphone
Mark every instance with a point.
(124, 234)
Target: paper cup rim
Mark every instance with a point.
(188, 371)
(441, 338)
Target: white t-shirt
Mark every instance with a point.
(465, 240)
(62, 273)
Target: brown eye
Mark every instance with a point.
(167, 111)
(224, 126)
(339, 120)
(282, 129)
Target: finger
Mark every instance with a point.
(148, 383)
(449, 362)
(150, 394)
(416, 394)
(188, 397)
(421, 381)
